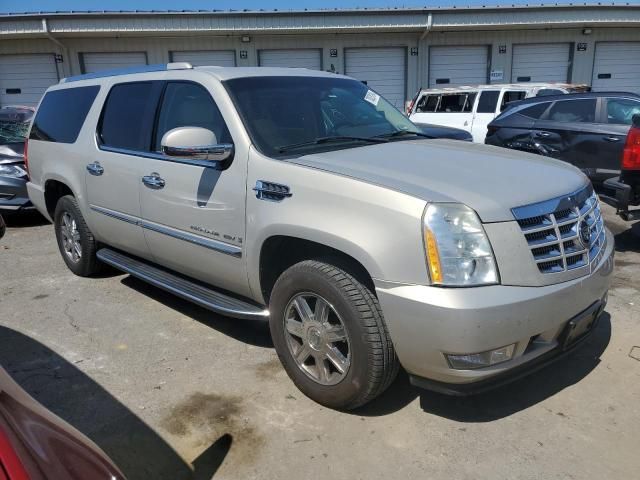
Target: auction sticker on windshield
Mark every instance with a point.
(372, 97)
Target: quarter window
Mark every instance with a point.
(126, 116)
(509, 97)
(428, 103)
(488, 101)
(620, 111)
(460, 102)
(535, 111)
(189, 105)
(581, 111)
(62, 113)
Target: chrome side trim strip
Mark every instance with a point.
(216, 165)
(209, 243)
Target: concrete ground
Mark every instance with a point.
(171, 391)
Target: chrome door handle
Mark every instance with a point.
(612, 139)
(543, 134)
(95, 169)
(153, 181)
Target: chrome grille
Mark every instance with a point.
(552, 230)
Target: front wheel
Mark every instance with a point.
(329, 332)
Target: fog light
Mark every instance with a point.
(482, 359)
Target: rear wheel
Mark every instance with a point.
(330, 335)
(75, 240)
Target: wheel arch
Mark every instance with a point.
(280, 251)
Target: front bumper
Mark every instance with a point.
(13, 195)
(426, 322)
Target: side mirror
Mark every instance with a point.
(199, 145)
(635, 120)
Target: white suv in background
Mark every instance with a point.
(473, 108)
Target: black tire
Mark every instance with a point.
(373, 363)
(87, 264)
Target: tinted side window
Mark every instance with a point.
(583, 111)
(189, 105)
(126, 116)
(548, 91)
(62, 114)
(428, 103)
(621, 110)
(453, 103)
(488, 101)
(509, 97)
(535, 111)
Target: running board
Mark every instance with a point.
(189, 290)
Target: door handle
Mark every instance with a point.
(612, 139)
(95, 169)
(153, 181)
(542, 134)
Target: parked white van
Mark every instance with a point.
(472, 108)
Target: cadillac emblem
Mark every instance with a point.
(584, 230)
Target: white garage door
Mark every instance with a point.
(383, 69)
(24, 78)
(95, 62)
(219, 58)
(617, 67)
(541, 62)
(295, 58)
(452, 66)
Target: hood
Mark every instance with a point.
(440, 131)
(491, 180)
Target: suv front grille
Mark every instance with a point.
(564, 233)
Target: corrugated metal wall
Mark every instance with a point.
(333, 46)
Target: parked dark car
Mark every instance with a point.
(14, 125)
(439, 131)
(587, 130)
(37, 445)
(626, 187)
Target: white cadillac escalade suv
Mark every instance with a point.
(307, 199)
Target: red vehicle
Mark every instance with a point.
(37, 445)
(627, 185)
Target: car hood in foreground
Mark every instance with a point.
(490, 180)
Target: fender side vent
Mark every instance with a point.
(273, 192)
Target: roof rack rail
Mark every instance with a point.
(158, 67)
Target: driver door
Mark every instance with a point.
(193, 214)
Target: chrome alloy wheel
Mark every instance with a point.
(70, 237)
(317, 338)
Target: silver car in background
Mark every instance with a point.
(305, 198)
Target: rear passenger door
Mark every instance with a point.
(569, 131)
(112, 173)
(194, 215)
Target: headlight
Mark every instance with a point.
(458, 251)
(12, 171)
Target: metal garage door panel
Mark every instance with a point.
(453, 66)
(294, 58)
(95, 62)
(24, 78)
(219, 58)
(541, 62)
(384, 70)
(617, 67)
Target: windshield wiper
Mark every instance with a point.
(321, 140)
(402, 133)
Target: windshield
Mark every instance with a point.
(298, 115)
(13, 132)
